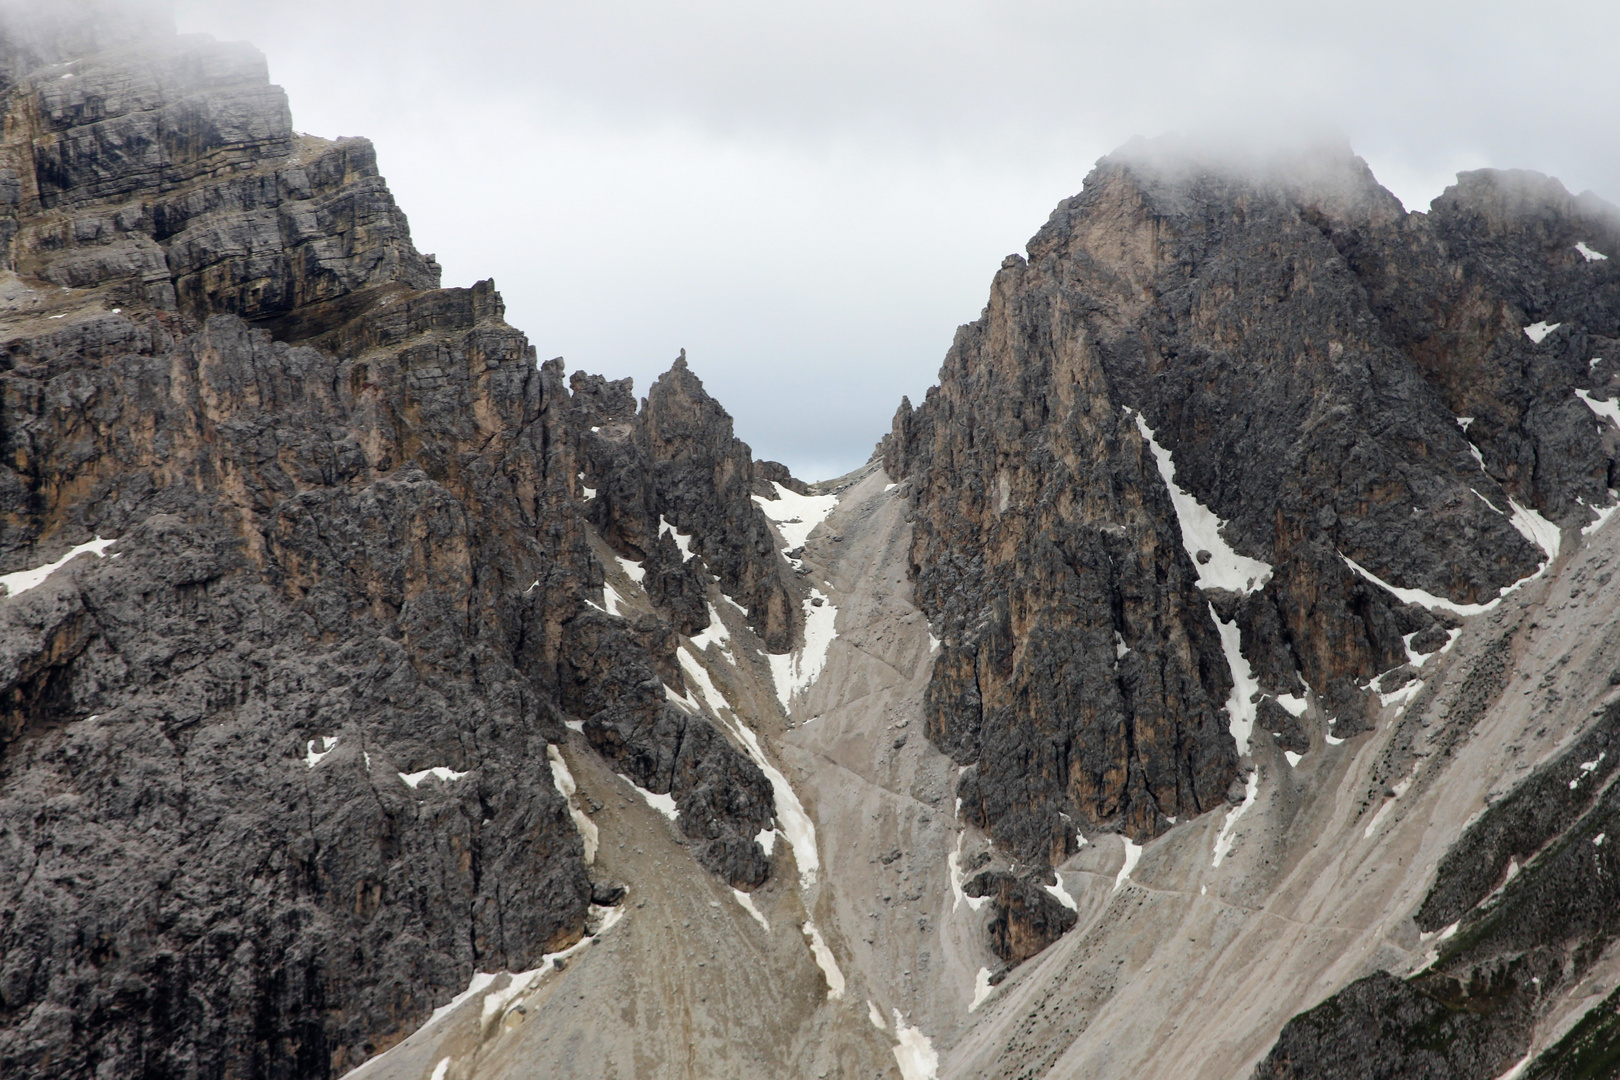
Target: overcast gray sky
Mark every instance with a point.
(810, 198)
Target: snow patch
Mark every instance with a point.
(953, 862)
(611, 597)
(1240, 710)
(1383, 811)
(792, 821)
(1481, 498)
(747, 903)
(440, 1069)
(1201, 530)
(873, 1013)
(1061, 895)
(698, 675)
(1597, 840)
(1603, 514)
(589, 493)
(1293, 758)
(313, 758)
(563, 781)
(795, 516)
(1536, 331)
(496, 1001)
(981, 988)
(1133, 854)
(825, 961)
(1587, 253)
(1294, 703)
(682, 540)
(480, 982)
(664, 804)
(1518, 1069)
(715, 634)
(1418, 596)
(1587, 768)
(914, 1053)
(1537, 529)
(1416, 659)
(688, 700)
(632, 570)
(23, 580)
(1402, 696)
(1224, 839)
(438, 772)
(795, 671)
(766, 839)
(1602, 408)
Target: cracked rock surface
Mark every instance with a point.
(273, 766)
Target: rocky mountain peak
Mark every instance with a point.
(351, 600)
(376, 697)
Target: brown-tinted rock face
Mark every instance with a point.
(674, 475)
(1304, 350)
(1027, 918)
(350, 548)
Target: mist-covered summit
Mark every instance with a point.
(1211, 674)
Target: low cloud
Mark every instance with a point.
(810, 198)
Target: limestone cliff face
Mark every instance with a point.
(277, 748)
(273, 768)
(1333, 378)
(674, 490)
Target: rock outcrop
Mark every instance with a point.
(274, 773)
(1351, 392)
(673, 490)
(1523, 905)
(315, 578)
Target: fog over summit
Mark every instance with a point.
(1215, 673)
(808, 199)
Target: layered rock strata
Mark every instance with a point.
(1278, 364)
(275, 752)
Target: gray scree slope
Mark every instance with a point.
(408, 674)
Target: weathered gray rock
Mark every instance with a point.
(674, 469)
(1296, 404)
(1303, 348)
(1027, 918)
(273, 771)
(1380, 1028)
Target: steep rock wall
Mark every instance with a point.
(274, 773)
(1299, 351)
